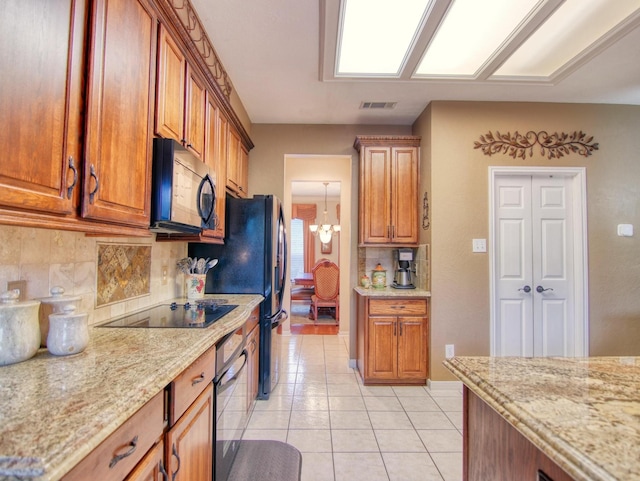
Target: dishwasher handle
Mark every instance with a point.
(221, 384)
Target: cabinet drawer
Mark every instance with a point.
(121, 451)
(187, 386)
(253, 320)
(398, 307)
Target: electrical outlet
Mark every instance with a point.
(22, 285)
(165, 275)
(449, 351)
(479, 245)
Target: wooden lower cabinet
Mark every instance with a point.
(493, 449)
(393, 340)
(189, 443)
(151, 468)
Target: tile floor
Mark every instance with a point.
(349, 432)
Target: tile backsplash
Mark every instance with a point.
(45, 258)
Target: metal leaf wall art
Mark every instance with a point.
(552, 146)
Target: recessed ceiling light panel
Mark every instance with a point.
(575, 26)
(470, 33)
(376, 35)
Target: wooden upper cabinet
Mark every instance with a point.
(41, 61)
(171, 75)
(181, 97)
(389, 168)
(196, 107)
(120, 100)
(237, 165)
(215, 157)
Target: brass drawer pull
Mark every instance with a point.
(119, 457)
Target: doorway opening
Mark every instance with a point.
(538, 261)
(320, 169)
(315, 256)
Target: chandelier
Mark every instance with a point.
(324, 230)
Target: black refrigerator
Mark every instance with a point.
(253, 261)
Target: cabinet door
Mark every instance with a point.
(117, 177)
(253, 343)
(169, 118)
(382, 353)
(195, 112)
(217, 164)
(151, 468)
(375, 195)
(412, 347)
(233, 162)
(404, 191)
(243, 168)
(189, 449)
(41, 64)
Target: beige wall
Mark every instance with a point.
(459, 195)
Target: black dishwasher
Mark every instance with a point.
(232, 401)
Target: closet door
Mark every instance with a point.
(534, 302)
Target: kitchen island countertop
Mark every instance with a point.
(56, 410)
(583, 413)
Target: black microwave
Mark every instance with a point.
(183, 195)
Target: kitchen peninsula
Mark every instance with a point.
(550, 419)
(54, 411)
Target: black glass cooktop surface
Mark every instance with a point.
(195, 314)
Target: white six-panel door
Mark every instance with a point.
(534, 283)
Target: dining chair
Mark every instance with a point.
(326, 281)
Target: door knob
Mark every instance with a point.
(542, 289)
(526, 289)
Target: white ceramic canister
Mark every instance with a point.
(19, 328)
(68, 332)
(54, 305)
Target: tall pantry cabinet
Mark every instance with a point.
(389, 168)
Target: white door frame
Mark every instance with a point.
(580, 258)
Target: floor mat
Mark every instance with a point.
(266, 461)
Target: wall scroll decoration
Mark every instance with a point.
(552, 146)
(425, 212)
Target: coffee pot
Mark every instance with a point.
(402, 278)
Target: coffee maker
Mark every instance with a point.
(403, 275)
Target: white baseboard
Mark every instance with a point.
(450, 385)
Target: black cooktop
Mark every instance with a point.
(191, 314)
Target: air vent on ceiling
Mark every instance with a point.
(378, 105)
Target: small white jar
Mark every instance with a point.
(68, 332)
(53, 305)
(19, 328)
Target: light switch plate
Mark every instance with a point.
(479, 245)
(625, 230)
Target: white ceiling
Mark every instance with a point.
(272, 51)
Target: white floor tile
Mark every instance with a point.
(399, 441)
(317, 467)
(441, 440)
(411, 467)
(359, 467)
(310, 440)
(350, 432)
(449, 465)
(354, 441)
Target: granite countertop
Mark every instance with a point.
(391, 292)
(56, 410)
(584, 413)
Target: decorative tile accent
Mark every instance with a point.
(124, 272)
